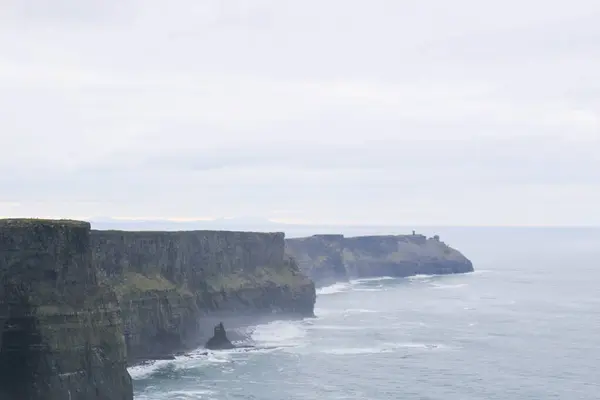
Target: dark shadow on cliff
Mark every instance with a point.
(19, 354)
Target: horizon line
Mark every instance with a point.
(296, 223)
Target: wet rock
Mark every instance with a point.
(219, 341)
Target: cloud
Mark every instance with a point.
(399, 111)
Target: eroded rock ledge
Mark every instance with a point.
(327, 259)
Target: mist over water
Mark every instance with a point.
(523, 326)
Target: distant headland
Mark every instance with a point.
(77, 306)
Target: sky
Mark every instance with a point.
(423, 112)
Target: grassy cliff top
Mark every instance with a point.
(335, 236)
(374, 248)
(178, 232)
(136, 283)
(31, 222)
(260, 278)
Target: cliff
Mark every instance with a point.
(321, 257)
(330, 258)
(61, 334)
(173, 285)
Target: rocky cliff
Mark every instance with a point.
(61, 334)
(330, 258)
(321, 257)
(173, 285)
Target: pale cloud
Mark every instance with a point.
(425, 112)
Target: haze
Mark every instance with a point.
(408, 112)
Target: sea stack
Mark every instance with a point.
(219, 341)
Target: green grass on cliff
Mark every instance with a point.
(134, 282)
(261, 277)
(29, 222)
(396, 256)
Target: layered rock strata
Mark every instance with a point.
(76, 307)
(172, 286)
(330, 258)
(61, 333)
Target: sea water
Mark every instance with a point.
(525, 325)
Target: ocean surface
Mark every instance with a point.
(525, 325)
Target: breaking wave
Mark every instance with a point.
(335, 288)
(385, 348)
(360, 285)
(194, 358)
(441, 286)
(279, 333)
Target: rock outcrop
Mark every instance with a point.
(173, 285)
(61, 333)
(219, 340)
(321, 257)
(330, 258)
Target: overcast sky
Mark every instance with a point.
(462, 112)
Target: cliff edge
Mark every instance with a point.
(331, 258)
(61, 334)
(172, 286)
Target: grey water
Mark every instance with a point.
(525, 325)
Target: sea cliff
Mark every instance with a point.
(77, 306)
(172, 286)
(327, 259)
(61, 333)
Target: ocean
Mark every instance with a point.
(524, 325)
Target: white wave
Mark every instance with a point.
(335, 288)
(322, 312)
(416, 345)
(481, 271)
(145, 370)
(279, 333)
(194, 358)
(190, 394)
(337, 328)
(384, 348)
(441, 286)
(420, 277)
(356, 350)
(359, 311)
(201, 358)
(374, 279)
(354, 285)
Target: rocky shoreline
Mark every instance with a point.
(78, 306)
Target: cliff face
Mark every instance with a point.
(321, 257)
(172, 285)
(327, 258)
(61, 334)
